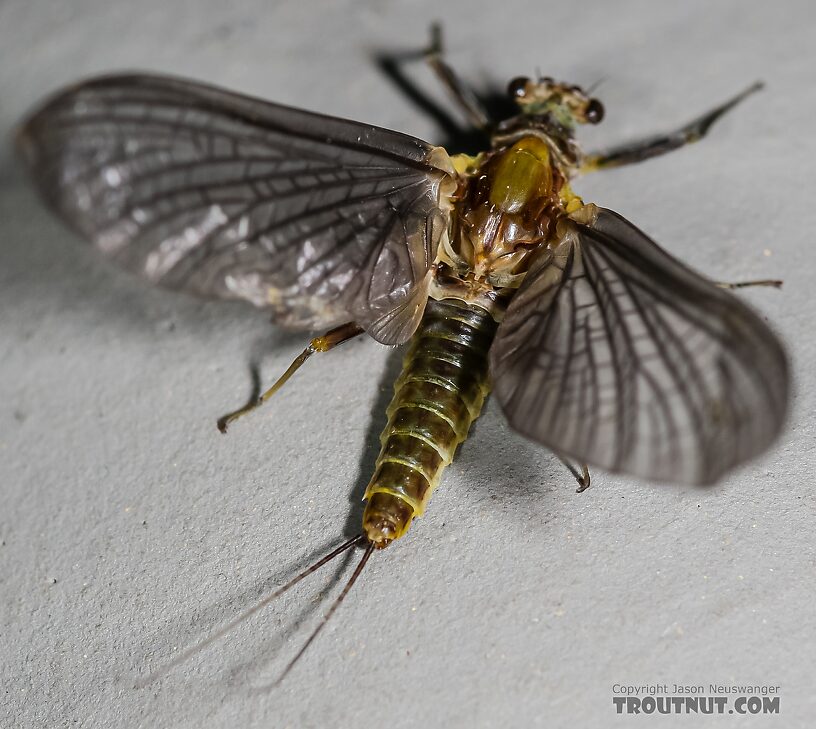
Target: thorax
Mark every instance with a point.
(507, 205)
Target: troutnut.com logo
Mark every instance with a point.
(678, 698)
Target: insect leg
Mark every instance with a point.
(391, 64)
(319, 344)
(658, 144)
(583, 478)
(460, 92)
(776, 283)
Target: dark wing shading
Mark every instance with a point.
(323, 220)
(614, 353)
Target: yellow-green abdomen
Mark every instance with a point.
(438, 395)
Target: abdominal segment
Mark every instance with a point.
(438, 395)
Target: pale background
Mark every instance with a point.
(131, 528)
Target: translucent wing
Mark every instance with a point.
(614, 353)
(323, 220)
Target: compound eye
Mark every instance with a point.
(517, 88)
(594, 111)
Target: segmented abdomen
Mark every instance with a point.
(439, 393)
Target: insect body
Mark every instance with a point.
(596, 342)
(507, 204)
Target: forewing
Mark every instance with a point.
(616, 354)
(323, 220)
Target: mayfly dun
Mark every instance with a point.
(596, 343)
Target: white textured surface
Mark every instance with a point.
(131, 529)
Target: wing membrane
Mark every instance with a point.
(614, 353)
(323, 220)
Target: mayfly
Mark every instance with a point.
(596, 343)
